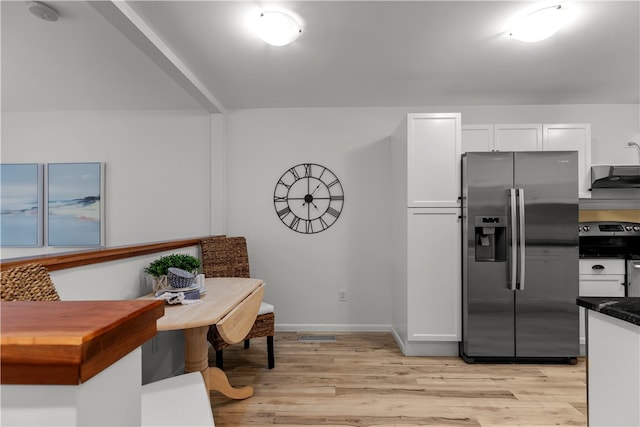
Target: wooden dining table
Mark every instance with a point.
(229, 303)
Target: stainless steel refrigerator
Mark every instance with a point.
(520, 256)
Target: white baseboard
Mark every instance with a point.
(425, 348)
(329, 327)
(398, 340)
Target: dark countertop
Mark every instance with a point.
(627, 309)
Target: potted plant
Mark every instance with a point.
(158, 269)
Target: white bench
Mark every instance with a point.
(178, 401)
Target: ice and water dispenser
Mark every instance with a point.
(491, 238)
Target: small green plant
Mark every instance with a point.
(161, 266)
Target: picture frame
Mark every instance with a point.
(21, 205)
(75, 204)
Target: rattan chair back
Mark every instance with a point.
(224, 256)
(28, 282)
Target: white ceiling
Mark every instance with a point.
(200, 54)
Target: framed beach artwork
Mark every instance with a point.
(75, 204)
(21, 204)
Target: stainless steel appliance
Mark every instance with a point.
(520, 256)
(615, 176)
(615, 240)
(621, 182)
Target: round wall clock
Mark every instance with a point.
(308, 198)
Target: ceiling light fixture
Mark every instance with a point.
(540, 24)
(43, 11)
(277, 28)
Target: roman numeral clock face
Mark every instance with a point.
(308, 198)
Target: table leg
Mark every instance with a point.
(196, 358)
(218, 381)
(196, 352)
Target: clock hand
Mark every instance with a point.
(309, 197)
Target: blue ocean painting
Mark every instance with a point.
(20, 204)
(74, 204)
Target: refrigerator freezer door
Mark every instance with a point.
(488, 323)
(546, 315)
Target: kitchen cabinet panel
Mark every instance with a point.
(613, 376)
(518, 137)
(502, 137)
(572, 137)
(433, 159)
(607, 281)
(434, 274)
(476, 138)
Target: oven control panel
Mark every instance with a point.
(609, 229)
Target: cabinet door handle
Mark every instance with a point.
(598, 267)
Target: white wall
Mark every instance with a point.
(157, 166)
(305, 272)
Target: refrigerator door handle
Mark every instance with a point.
(513, 270)
(521, 228)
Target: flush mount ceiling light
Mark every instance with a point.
(540, 24)
(43, 11)
(277, 28)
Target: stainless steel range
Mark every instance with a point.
(613, 240)
(609, 262)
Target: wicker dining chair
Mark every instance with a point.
(224, 256)
(27, 282)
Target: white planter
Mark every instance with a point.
(159, 283)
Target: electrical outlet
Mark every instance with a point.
(342, 295)
(154, 344)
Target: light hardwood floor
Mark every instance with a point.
(363, 380)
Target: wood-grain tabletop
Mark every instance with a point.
(222, 296)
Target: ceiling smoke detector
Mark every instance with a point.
(43, 11)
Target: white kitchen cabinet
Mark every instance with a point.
(477, 138)
(613, 377)
(517, 137)
(433, 266)
(607, 279)
(433, 159)
(425, 243)
(502, 137)
(572, 137)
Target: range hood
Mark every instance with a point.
(615, 176)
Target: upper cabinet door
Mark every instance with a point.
(572, 137)
(477, 138)
(433, 159)
(519, 137)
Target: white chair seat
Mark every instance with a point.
(265, 308)
(177, 401)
